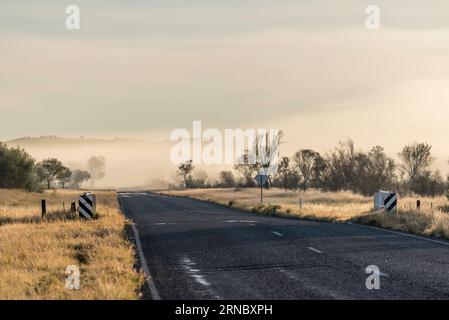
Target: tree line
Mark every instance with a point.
(343, 168)
(18, 170)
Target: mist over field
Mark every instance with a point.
(129, 162)
(133, 162)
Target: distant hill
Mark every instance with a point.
(76, 140)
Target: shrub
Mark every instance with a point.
(269, 209)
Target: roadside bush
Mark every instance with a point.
(269, 209)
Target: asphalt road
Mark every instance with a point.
(197, 250)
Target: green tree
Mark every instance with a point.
(78, 177)
(49, 169)
(17, 169)
(63, 176)
(227, 179)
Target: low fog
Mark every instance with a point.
(129, 162)
(138, 163)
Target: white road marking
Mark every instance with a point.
(289, 274)
(315, 250)
(160, 224)
(399, 233)
(384, 274)
(295, 277)
(188, 264)
(132, 193)
(277, 233)
(200, 279)
(240, 221)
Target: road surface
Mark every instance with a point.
(198, 250)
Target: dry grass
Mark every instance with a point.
(432, 219)
(34, 254)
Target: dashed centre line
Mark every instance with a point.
(277, 233)
(188, 265)
(314, 250)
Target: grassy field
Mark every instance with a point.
(35, 253)
(432, 219)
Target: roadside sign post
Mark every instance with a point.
(261, 179)
(385, 200)
(44, 207)
(87, 206)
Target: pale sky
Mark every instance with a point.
(311, 68)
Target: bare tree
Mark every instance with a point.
(447, 187)
(284, 172)
(184, 170)
(246, 169)
(265, 152)
(266, 148)
(305, 163)
(382, 168)
(96, 167)
(416, 158)
(319, 171)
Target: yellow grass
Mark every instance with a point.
(432, 219)
(34, 254)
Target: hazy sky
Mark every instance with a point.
(311, 68)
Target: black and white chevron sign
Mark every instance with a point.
(86, 206)
(391, 202)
